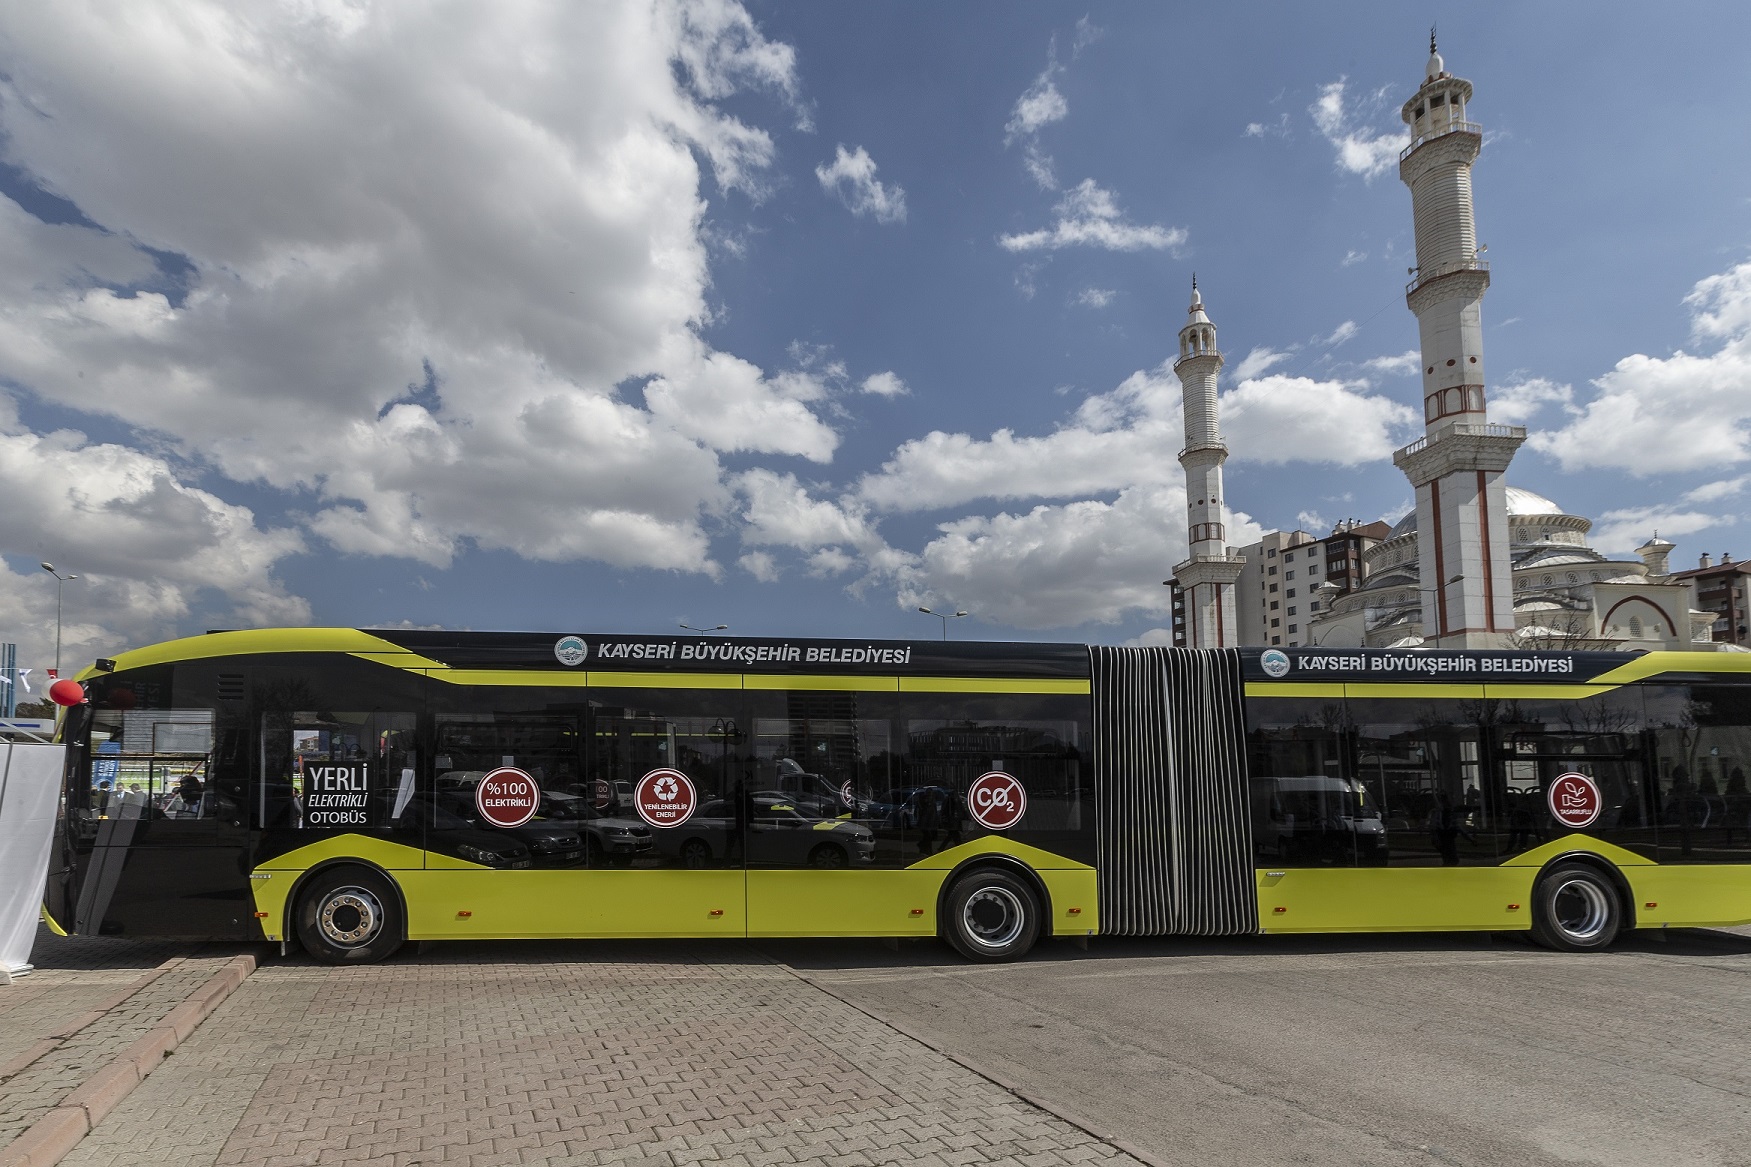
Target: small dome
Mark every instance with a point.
(1436, 67)
(1524, 502)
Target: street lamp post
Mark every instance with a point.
(60, 586)
(713, 628)
(945, 617)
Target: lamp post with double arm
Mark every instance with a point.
(60, 587)
(945, 617)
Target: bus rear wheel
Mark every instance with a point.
(991, 915)
(1575, 908)
(349, 915)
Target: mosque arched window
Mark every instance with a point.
(1573, 578)
(1548, 581)
(1635, 627)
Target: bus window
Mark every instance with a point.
(152, 765)
(1305, 812)
(1599, 736)
(336, 771)
(943, 757)
(831, 770)
(547, 745)
(1422, 761)
(703, 735)
(1702, 752)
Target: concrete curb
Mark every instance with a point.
(1056, 1110)
(54, 1135)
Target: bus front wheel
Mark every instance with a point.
(991, 915)
(349, 915)
(1575, 908)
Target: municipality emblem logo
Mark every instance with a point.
(1275, 662)
(571, 651)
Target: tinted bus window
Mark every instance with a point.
(702, 735)
(1702, 751)
(951, 740)
(325, 770)
(1599, 737)
(1306, 809)
(825, 770)
(1422, 761)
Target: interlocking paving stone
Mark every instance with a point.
(564, 1054)
(40, 1086)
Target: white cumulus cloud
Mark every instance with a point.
(1089, 216)
(1685, 412)
(885, 385)
(426, 261)
(1360, 150)
(1297, 419)
(851, 177)
(1085, 562)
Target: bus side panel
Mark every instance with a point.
(1691, 895)
(843, 903)
(1402, 899)
(535, 904)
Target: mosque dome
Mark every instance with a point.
(1404, 526)
(1524, 502)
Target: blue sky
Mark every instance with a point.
(795, 317)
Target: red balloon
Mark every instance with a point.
(67, 692)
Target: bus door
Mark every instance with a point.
(164, 819)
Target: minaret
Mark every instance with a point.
(1457, 467)
(1206, 578)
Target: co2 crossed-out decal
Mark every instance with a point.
(996, 800)
(1575, 800)
(664, 798)
(507, 797)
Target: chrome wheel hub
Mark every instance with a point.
(1581, 909)
(993, 917)
(349, 917)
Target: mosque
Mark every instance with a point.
(1477, 563)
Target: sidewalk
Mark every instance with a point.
(565, 1053)
(79, 1033)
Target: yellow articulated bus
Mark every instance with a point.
(348, 790)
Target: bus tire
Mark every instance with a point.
(349, 915)
(1575, 908)
(991, 915)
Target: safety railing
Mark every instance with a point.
(1449, 128)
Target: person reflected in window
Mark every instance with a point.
(1444, 828)
(1738, 801)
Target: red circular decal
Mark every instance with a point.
(604, 794)
(664, 798)
(996, 800)
(507, 797)
(1575, 800)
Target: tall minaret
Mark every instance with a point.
(1457, 467)
(1206, 578)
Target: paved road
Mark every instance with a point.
(565, 1053)
(1333, 1050)
(1271, 1050)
